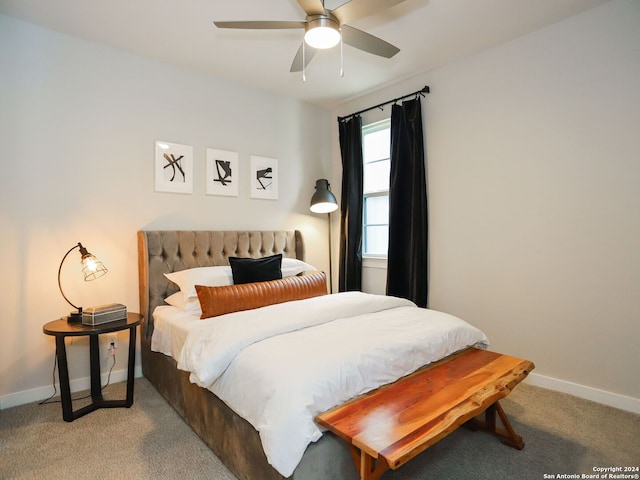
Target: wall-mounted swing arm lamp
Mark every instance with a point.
(92, 268)
(323, 201)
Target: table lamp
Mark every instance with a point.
(92, 268)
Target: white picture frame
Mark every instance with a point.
(264, 177)
(223, 177)
(173, 167)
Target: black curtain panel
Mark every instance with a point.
(407, 255)
(350, 277)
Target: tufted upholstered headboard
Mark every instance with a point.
(165, 251)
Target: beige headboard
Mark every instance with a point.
(165, 251)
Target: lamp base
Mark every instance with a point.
(75, 317)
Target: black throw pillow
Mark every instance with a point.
(248, 270)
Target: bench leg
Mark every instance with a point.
(368, 467)
(507, 434)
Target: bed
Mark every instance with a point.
(232, 438)
(228, 435)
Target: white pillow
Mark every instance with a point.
(292, 267)
(207, 276)
(222, 276)
(189, 305)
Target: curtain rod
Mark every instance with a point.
(422, 91)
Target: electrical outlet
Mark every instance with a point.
(113, 342)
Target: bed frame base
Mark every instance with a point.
(229, 436)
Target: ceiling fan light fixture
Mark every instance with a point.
(322, 32)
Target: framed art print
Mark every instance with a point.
(222, 172)
(264, 178)
(174, 168)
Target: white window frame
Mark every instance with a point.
(367, 129)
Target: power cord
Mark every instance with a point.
(53, 383)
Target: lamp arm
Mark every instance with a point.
(60, 270)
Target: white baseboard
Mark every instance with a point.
(615, 400)
(78, 385)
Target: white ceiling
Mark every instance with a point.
(429, 33)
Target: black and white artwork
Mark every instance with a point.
(174, 167)
(264, 178)
(222, 172)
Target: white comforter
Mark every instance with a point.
(279, 366)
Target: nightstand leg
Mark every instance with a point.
(63, 377)
(132, 362)
(94, 360)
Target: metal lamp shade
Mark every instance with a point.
(323, 201)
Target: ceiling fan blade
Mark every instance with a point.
(356, 9)
(261, 24)
(312, 7)
(368, 43)
(296, 66)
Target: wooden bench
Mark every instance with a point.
(389, 426)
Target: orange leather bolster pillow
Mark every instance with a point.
(235, 298)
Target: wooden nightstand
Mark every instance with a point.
(61, 329)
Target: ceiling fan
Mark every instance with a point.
(325, 28)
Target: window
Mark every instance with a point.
(376, 143)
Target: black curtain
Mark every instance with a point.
(350, 277)
(407, 255)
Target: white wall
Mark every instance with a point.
(534, 162)
(78, 123)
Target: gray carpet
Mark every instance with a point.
(563, 435)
